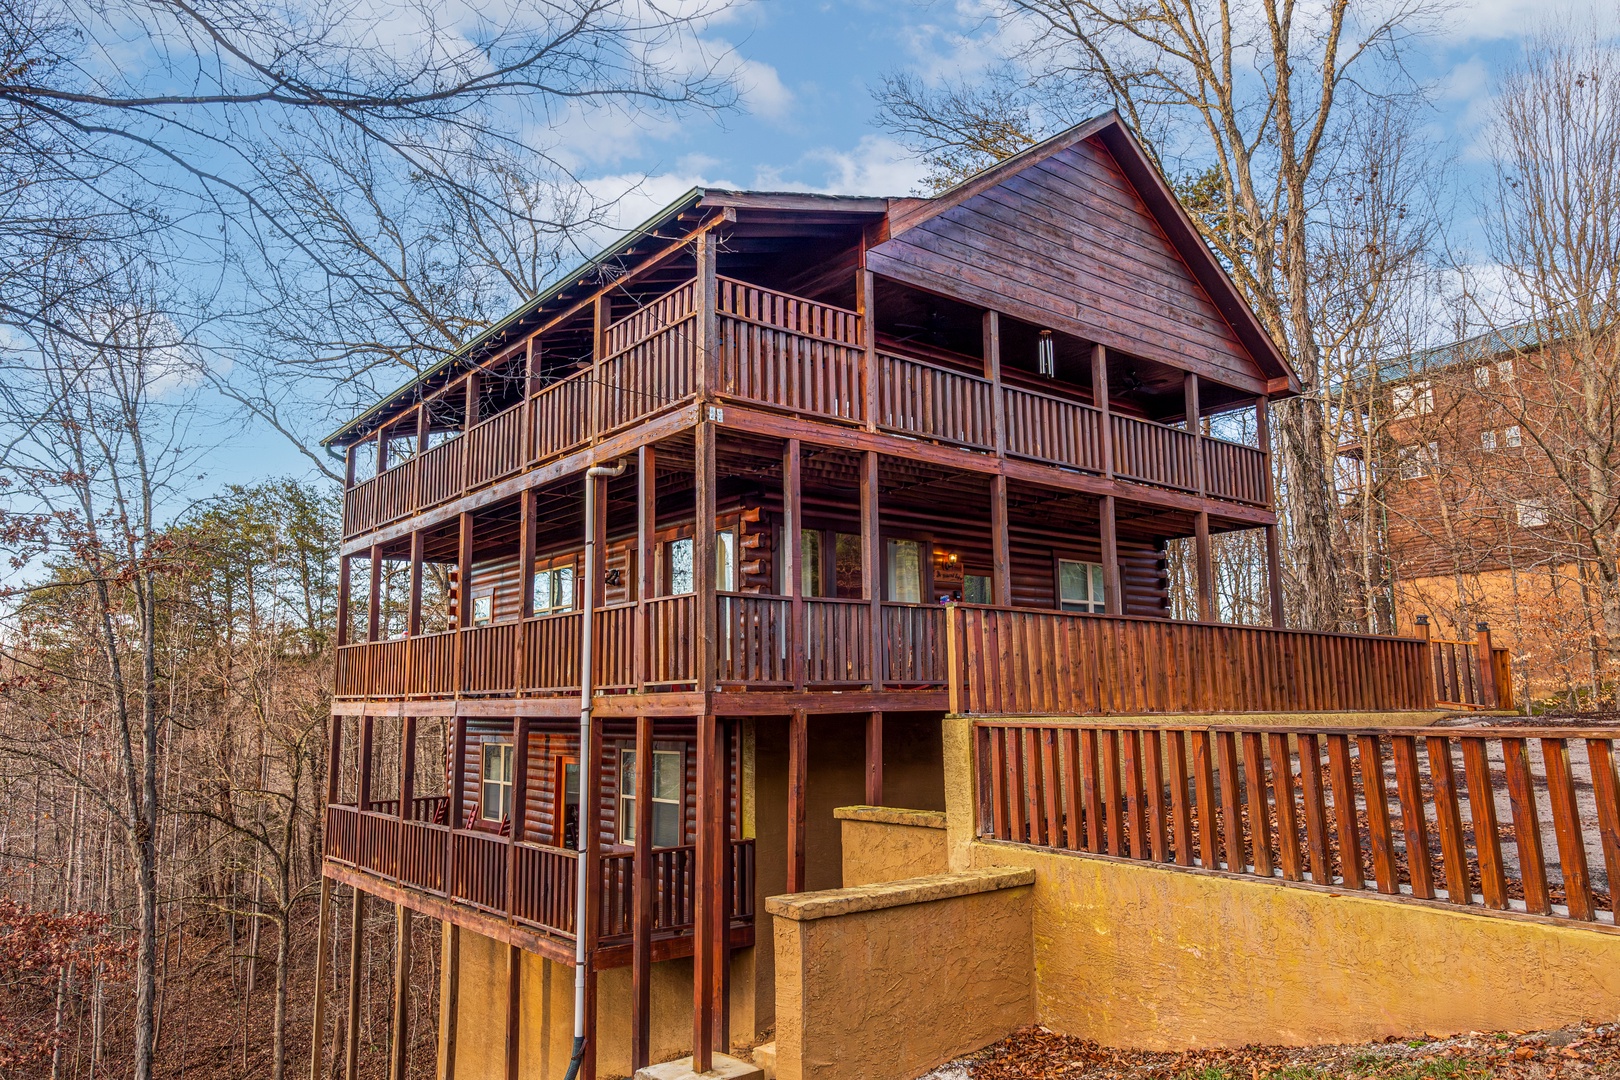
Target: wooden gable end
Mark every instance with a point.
(1067, 242)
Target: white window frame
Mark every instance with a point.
(1416, 461)
(550, 593)
(498, 780)
(1531, 513)
(1504, 370)
(1413, 399)
(627, 792)
(1511, 436)
(1487, 440)
(1095, 601)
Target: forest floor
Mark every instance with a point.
(1577, 1052)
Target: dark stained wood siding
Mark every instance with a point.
(1069, 243)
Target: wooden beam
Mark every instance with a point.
(865, 305)
(1113, 585)
(357, 918)
(641, 925)
(708, 326)
(729, 796)
(514, 1012)
(407, 765)
(1205, 568)
(382, 449)
(449, 1002)
(527, 539)
(473, 386)
(317, 1024)
(646, 552)
(590, 827)
(874, 759)
(992, 371)
(345, 572)
(413, 612)
(1274, 580)
(703, 583)
(597, 586)
(363, 785)
(399, 1034)
(1000, 543)
(464, 558)
(602, 312)
(872, 562)
(1195, 426)
(349, 465)
(1101, 400)
(793, 548)
(798, 770)
(374, 601)
(705, 977)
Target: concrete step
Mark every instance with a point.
(724, 1068)
(765, 1058)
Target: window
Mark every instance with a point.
(905, 571)
(483, 609)
(667, 782)
(1532, 513)
(1504, 371)
(1348, 473)
(976, 589)
(1510, 435)
(554, 589)
(1414, 462)
(1487, 440)
(847, 565)
(1413, 398)
(725, 563)
(810, 575)
(1080, 586)
(565, 812)
(1482, 377)
(495, 801)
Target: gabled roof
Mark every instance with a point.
(1520, 337)
(1134, 161)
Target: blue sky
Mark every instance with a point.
(806, 122)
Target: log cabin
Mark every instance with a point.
(804, 465)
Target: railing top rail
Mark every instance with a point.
(1189, 622)
(787, 295)
(1482, 732)
(642, 310)
(890, 355)
(549, 849)
(836, 600)
(502, 415)
(1232, 443)
(568, 614)
(1059, 398)
(556, 383)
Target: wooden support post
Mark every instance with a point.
(1195, 427)
(345, 572)
(334, 760)
(514, 1011)
(722, 915)
(798, 776)
(517, 817)
(874, 759)
(349, 465)
(1113, 584)
(705, 971)
(407, 766)
(641, 924)
(992, 371)
(1489, 692)
(357, 918)
(1000, 543)
(1205, 568)
(449, 1001)
(602, 309)
(374, 602)
(1100, 399)
(413, 613)
(473, 388)
(527, 527)
(793, 548)
(707, 325)
(531, 353)
(865, 296)
(646, 554)
(1274, 582)
(363, 785)
(872, 564)
(590, 921)
(317, 1024)
(399, 1035)
(382, 449)
(703, 583)
(455, 806)
(464, 601)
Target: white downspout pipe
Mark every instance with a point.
(589, 577)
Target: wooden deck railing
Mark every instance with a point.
(935, 402)
(755, 639)
(1462, 681)
(786, 352)
(837, 637)
(543, 883)
(1375, 810)
(1019, 661)
(789, 353)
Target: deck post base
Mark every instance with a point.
(724, 1068)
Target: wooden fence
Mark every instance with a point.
(1491, 818)
(1012, 661)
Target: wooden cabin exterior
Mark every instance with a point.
(851, 441)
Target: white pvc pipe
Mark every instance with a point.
(587, 767)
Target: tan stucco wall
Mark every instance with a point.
(1136, 955)
(885, 982)
(881, 843)
(546, 1032)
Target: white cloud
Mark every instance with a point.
(878, 165)
(1492, 20)
(762, 90)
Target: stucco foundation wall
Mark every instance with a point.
(1135, 955)
(546, 1031)
(887, 981)
(884, 844)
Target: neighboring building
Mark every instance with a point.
(815, 420)
(1475, 524)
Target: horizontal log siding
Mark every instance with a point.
(1023, 662)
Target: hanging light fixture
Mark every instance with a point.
(1046, 356)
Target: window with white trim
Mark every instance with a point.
(554, 589)
(495, 782)
(1532, 513)
(1415, 462)
(1413, 398)
(1487, 440)
(1510, 435)
(667, 780)
(1080, 586)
